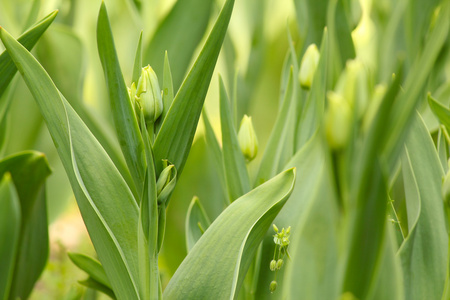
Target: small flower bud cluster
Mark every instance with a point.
(281, 240)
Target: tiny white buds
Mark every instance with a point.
(308, 66)
(248, 141)
(273, 265)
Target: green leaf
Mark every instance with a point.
(179, 34)
(9, 232)
(428, 238)
(137, 67)
(127, 128)
(29, 171)
(237, 178)
(279, 142)
(167, 88)
(214, 147)
(91, 266)
(95, 285)
(175, 137)
(311, 18)
(98, 186)
(441, 112)
(442, 148)
(216, 266)
(28, 39)
(197, 222)
(403, 109)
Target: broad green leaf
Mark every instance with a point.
(214, 147)
(97, 184)
(197, 222)
(61, 53)
(28, 39)
(313, 214)
(175, 137)
(127, 128)
(216, 266)
(428, 238)
(441, 112)
(278, 142)
(179, 34)
(95, 285)
(137, 67)
(389, 282)
(9, 232)
(313, 109)
(91, 266)
(403, 109)
(236, 174)
(29, 171)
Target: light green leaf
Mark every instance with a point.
(28, 39)
(127, 128)
(197, 222)
(214, 147)
(137, 67)
(278, 144)
(311, 18)
(403, 109)
(91, 283)
(97, 184)
(91, 266)
(29, 171)
(179, 34)
(9, 232)
(441, 112)
(428, 238)
(175, 137)
(442, 148)
(236, 174)
(215, 268)
(167, 89)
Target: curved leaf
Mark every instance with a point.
(9, 232)
(98, 186)
(424, 278)
(91, 266)
(197, 222)
(175, 137)
(216, 266)
(29, 171)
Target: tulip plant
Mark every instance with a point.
(348, 200)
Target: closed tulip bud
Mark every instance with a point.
(148, 94)
(337, 121)
(273, 286)
(308, 66)
(273, 265)
(247, 138)
(166, 183)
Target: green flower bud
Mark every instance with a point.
(279, 263)
(337, 121)
(273, 265)
(148, 95)
(275, 228)
(273, 286)
(247, 138)
(308, 66)
(166, 182)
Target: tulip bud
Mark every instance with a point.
(337, 121)
(247, 138)
(148, 95)
(166, 182)
(308, 66)
(275, 228)
(273, 286)
(273, 265)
